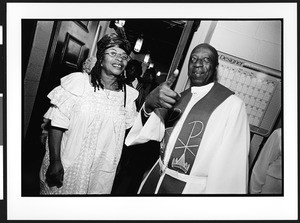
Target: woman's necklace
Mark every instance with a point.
(108, 90)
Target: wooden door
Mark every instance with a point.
(70, 44)
(73, 42)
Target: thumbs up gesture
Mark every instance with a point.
(162, 96)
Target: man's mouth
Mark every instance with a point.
(198, 73)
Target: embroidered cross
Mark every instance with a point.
(180, 163)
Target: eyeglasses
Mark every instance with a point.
(114, 54)
(205, 60)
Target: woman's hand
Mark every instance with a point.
(55, 174)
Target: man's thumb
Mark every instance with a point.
(172, 78)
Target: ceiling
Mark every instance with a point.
(160, 37)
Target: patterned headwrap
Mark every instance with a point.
(111, 40)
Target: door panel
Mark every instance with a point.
(73, 45)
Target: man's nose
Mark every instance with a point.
(199, 63)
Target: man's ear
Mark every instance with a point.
(216, 73)
(216, 68)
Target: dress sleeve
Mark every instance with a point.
(63, 98)
(229, 170)
(153, 129)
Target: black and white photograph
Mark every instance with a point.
(116, 113)
(1, 146)
(79, 132)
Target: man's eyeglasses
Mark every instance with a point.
(114, 54)
(205, 60)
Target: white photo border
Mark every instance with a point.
(150, 208)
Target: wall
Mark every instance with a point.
(256, 41)
(102, 29)
(35, 67)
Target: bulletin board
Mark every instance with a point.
(258, 86)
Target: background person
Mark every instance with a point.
(148, 83)
(204, 134)
(88, 64)
(88, 118)
(136, 160)
(133, 73)
(266, 177)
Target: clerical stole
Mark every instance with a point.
(188, 141)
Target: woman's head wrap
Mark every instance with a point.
(111, 40)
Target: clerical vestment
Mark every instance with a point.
(217, 163)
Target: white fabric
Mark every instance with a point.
(222, 156)
(92, 144)
(135, 83)
(266, 177)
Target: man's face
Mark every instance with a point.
(200, 68)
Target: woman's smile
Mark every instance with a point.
(117, 65)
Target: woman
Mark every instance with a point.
(89, 115)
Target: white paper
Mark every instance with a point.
(150, 208)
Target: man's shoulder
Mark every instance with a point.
(222, 88)
(235, 102)
(235, 98)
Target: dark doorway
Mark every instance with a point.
(161, 38)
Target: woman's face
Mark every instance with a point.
(114, 61)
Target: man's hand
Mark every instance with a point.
(55, 174)
(162, 96)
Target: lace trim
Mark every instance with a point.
(77, 176)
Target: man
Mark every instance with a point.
(204, 133)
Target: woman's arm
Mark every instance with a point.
(55, 172)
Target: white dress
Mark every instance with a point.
(92, 144)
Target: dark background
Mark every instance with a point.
(2, 90)
(1, 69)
